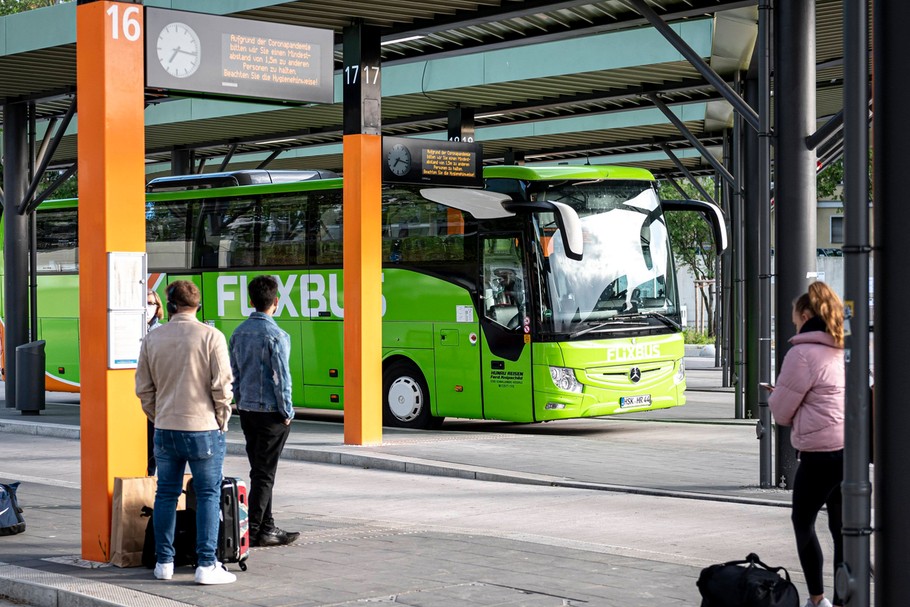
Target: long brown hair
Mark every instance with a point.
(823, 302)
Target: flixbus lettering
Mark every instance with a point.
(629, 352)
(314, 295)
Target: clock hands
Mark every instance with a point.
(179, 50)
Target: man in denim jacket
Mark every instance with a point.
(260, 361)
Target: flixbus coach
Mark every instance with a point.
(550, 294)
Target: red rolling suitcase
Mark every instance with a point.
(234, 530)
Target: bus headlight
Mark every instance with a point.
(564, 379)
(680, 376)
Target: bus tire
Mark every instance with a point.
(406, 398)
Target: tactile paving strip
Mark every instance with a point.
(45, 589)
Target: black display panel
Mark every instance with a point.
(197, 53)
(424, 161)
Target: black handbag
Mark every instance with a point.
(184, 539)
(748, 583)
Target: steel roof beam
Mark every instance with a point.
(718, 166)
(46, 158)
(676, 185)
(335, 131)
(69, 172)
(689, 176)
(627, 147)
(834, 125)
(227, 158)
(605, 24)
(743, 108)
(269, 160)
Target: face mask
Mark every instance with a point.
(152, 311)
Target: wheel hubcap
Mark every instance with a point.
(405, 399)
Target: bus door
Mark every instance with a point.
(506, 325)
(323, 303)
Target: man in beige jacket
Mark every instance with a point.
(184, 382)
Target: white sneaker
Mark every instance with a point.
(214, 574)
(164, 571)
(821, 603)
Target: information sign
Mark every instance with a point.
(126, 309)
(200, 53)
(425, 161)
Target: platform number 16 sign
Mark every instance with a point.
(129, 26)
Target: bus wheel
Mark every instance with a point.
(407, 399)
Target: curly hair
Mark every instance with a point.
(822, 301)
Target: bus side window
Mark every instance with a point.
(226, 234)
(282, 231)
(504, 285)
(329, 229)
(166, 238)
(57, 237)
(420, 232)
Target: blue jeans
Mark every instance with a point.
(204, 452)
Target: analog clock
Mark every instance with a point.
(399, 159)
(179, 50)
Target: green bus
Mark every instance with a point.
(549, 294)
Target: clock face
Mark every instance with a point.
(179, 50)
(399, 159)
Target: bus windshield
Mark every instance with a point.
(626, 280)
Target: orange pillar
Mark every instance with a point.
(362, 236)
(110, 96)
(362, 290)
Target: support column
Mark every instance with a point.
(853, 576)
(751, 218)
(15, 240)
(764, 232)
(795, 198)
(109, 78)
(891, 132)
(461, 125)
(362, 237)
(182, 161)
(514, 158)
(738, 313)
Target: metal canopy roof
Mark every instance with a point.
(571, 91)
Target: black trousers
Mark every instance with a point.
(817, 483)
(265, 435)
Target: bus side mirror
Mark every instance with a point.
(566, 219)
(712, 213)
(570, 228)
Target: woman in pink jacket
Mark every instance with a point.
(809, 396)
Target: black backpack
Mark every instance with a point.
(748, 583)
(11, 521)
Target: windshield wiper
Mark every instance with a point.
(664, 319)
(619, 322)
(624, 321)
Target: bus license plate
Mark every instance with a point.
(643, 400)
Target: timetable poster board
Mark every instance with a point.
(429, 162)
(226, 56)
(126, 308)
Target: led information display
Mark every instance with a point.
(199, 53)
(423, 161)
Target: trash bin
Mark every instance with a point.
(30, 378)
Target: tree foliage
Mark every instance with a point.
(829, 181)
(9, 7)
